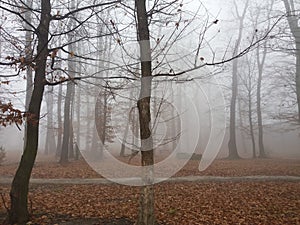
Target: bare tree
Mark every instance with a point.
(67, 143)
(261, 54)
(233, 152)
(19, 190)
(43, 62)
(59, 121)
(294, 24)
(248, 81)
(48, 55)
(28, 56)
(50, 136)
(146, 215)
(29, 52)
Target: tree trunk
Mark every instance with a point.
(71, 141)
(28, 51)
(100, 121)
(260, 64)
(175, 129)
(28, 55)
(104, 119)
(78, 112)
(294, 25)
(50, 137)
(66, 134)
(146, 213)
(95, 145)
(68, 99)
(241, 125)
(77, 100)
(59, 101)
(261, 147)
(122, 151)
(260, 124)
(46, 151)
(18, 213)
(233, 152)
(59, 122)
(250, 121)
(88, 133)
(67, 144)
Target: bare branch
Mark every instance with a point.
(58, 17)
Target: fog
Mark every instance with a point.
(197, 104)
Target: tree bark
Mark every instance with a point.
(294, 25)
(59, 103)
(78, 130)
(59, 122)
(65, 150)
(260, 64)
(88, 133)
(100, 117)
(241, 125)
(146, 212)
(18, 213)
(28, 55)
(66, 134)
(233, 152)
(250, 120)
(28, 51)
(104, 118)
(71, 141)
(50, 137)
(122, 151)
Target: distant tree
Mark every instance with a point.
(43, 63)
(248, 81)
(293, 20)
(50, 135)
(59, 121)
(261, 55)
(2, 155)
(67, 143)
(46, 62)
(103, 111)
(233, 151)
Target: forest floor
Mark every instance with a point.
(208, 202)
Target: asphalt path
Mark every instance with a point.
(74, 181)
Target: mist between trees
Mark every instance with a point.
(142, 78)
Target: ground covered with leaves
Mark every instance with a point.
(176, 203)
(249, 202)
(244, 167)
